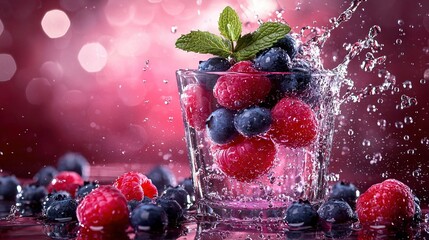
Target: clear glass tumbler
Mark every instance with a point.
(294, 172)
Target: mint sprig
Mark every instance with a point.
(232, 44)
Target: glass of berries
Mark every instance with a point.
(258, 118)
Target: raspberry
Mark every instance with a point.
(196, 105)
(105, 207)
(245, 159)
(66, 181)
(388, 203)
(135, 186)
(238, 91)
(294, 123)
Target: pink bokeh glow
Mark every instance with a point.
(98, 77)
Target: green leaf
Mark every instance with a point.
(264, 37)
(229, 24)
(204, 42)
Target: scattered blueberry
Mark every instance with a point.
(75, 162)
(173, 209)
(45, 175)
(29, 199)
(179, 194)
(253, 121)
(273, 59)
(149, 217)
(9, 187)
(162, 177)
(62, 210)
(220, 126)
(289, 44)
(84, 190)
(214, 64)
(346, 192)
(301, 215)
(336, 212)
(53, 197)
(188, 185)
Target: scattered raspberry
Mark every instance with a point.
(388, 203)
(135, 186)
(196, 103)
(245, 159)
(66, 181)
(294, 123)
(238, 91)
(105, 207)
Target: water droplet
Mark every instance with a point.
(345, 150)
(371, 108)
(399, 125)
(382, 123)
(165, 81)
(417, 172)
(173, 29)
(366, 143)
(422, 81)
(425, 141)
(406, 137)
(350, 132)
(411, 151)
(407, 85)
(377, 157)
(408, 120)
(170, 119)
(398, 41)
(146, 66)
(400, 22)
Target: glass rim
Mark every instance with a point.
(196, 72)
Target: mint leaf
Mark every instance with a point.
(264, 37)
(204, 42)
(229, 24)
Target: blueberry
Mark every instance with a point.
(45, 175)
(301, 215)
(75, 162)
(173, 209)
(214, 64)
(346, 192)
(54, 197)
(289, 44)
(133, 204)
(336, 211)
(9, 187)
(162, 177)
(273, 60)
(84, 190)
(188, 185)
(62, 210)
(253, 121)
(179, 194)
(29, 199)
(149, 217)
(220, 126)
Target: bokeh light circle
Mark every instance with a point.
(38, 91)
(55, 23)
(92, 57)
(7, 66)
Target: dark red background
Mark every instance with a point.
(129, 111)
